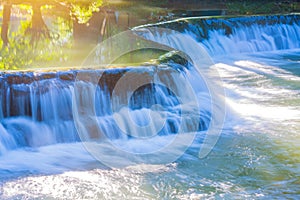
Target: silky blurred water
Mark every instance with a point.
(257, 155)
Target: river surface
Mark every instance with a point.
(257, 154)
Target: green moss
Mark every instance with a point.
(139, 57)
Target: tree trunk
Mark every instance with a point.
(39, 29)
(5, 23)
(37, 19)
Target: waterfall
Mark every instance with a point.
(223, 36)
(163, 130)
(38, 108)
(254, 39)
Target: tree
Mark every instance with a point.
(34, 42)
(80, 11)
(5, 23)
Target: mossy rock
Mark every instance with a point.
(174, 57)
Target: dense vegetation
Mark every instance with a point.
(77, 25)
(250, 7)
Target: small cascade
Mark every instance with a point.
(222, 36)
(185, 128)
(38, 108)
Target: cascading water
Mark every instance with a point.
(257, 155)
(233, 35)
(39, 112)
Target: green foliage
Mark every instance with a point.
(54, 48)
(248, 7)
(29, 47)
(17, 53)
(21, 53)
(83, 10)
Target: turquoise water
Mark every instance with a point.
(257, 155)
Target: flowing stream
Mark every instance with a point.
(256, 64)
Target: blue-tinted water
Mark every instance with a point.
(257, 155)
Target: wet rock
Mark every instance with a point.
(27, 78)
(46, 75)
(174, 57)
(67, 76)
